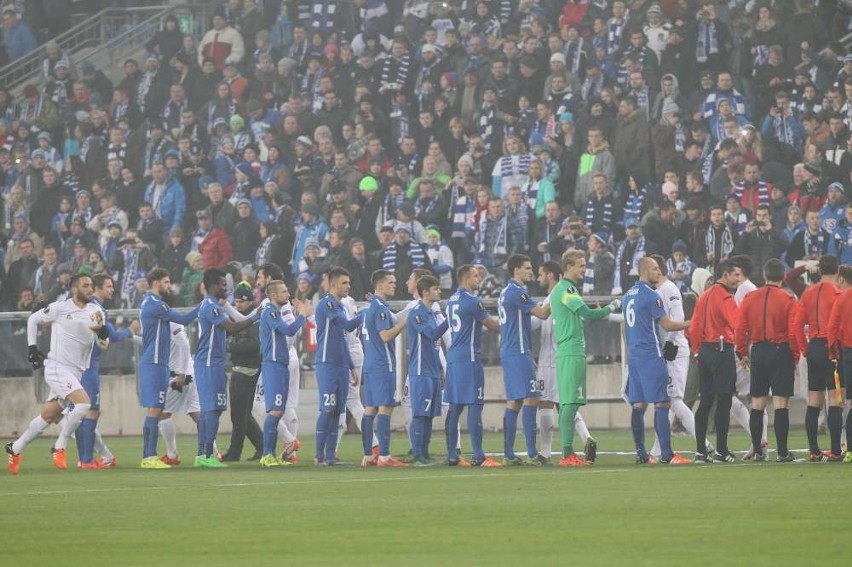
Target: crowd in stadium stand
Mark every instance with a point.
(418, 134)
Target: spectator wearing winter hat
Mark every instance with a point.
(441, 257)
(405, 216)
(213, 243)
(173, 255)
(245, 235)
(680, 266)
(403, 255)
(312, 227)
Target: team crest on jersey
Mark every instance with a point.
(274, 315)
(330, 305)
(418, 319)
(215, 312)
(383, 316)
(524, 298)
(164, 306)
(659, 302)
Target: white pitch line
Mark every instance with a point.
(549, 472)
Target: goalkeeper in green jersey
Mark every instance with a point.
(568, 311)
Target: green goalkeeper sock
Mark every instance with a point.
(567, 413)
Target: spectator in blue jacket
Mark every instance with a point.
(17, 36)
(167, 196)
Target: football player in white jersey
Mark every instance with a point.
(739, 411)
(549, 275)
(77, 324)
(676, 353)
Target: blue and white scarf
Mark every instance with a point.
(593, 207)
(614, 33)
(589, 276)
(814, 246)
(708, 41)
(726, 246)
(418, 256)
(487, 122)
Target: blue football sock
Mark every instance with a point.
(367, 434)
(78, 437)
(88, 427)
(150, 431)
(637, 424)
(510, 430)
(270, 434)
(474, 428)
(528, 421)
(451, 427)
(664, 431)
(427, 436)
(331, 436)
(383, 432)
(322, 434)
(201, 424)
(212, 430)
(417, 426)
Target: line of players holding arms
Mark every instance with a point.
(656, 373)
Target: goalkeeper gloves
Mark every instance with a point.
(615, 305)
(36, 357)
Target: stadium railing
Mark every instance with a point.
(106, 38)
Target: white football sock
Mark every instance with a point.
(341, 426)
(33, 430)
(580, 428)
(101, 447)
(684, 414)
(546, 419)
(740, 413)
(765, 426)
(284, 432)
(291, 418)
(168, 431)
(70, 424)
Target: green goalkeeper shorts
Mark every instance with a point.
(571, 379)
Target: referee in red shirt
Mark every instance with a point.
(813, 312)
(840, 337)
(711, 335)
(766, 319)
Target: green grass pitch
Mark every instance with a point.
(612, 513)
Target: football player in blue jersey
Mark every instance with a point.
(210, 376)
(648, 376)
(275, 370)
(514, 308)
(87, 433)
(155, 316)
(465, 375)
(378, 334)
(333, 363)
(424, 366)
